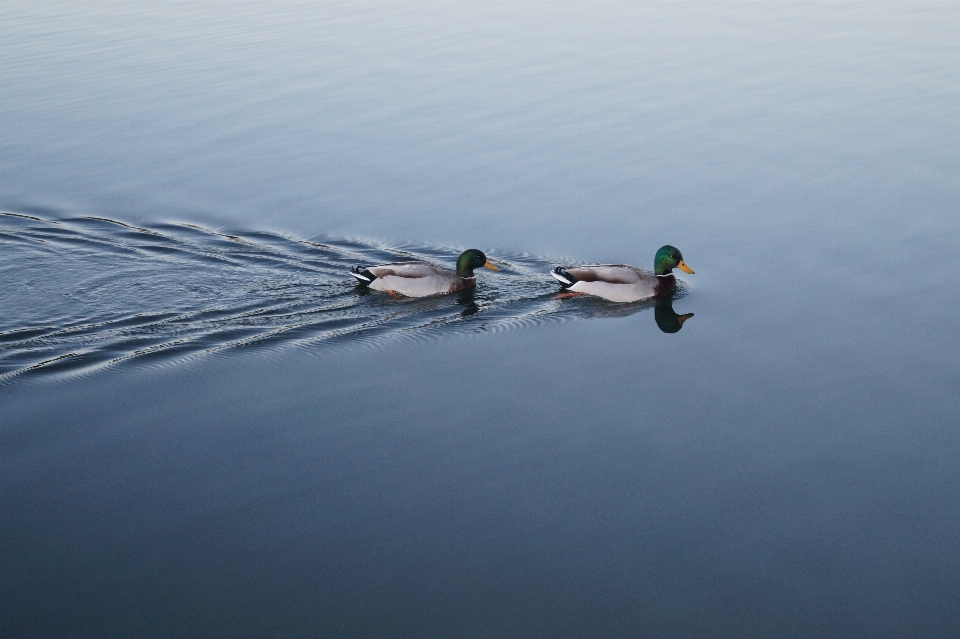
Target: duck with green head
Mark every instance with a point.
(420, 279)
(623, 283)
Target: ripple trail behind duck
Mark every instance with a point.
(82, 294)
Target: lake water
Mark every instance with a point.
(207, 430)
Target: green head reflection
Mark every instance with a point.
(667, 319)
(467, 299)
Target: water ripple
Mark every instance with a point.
(82, 294)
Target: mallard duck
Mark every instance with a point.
(419, 279)
(622, 283)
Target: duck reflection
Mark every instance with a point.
(471, 301)
(467, 299)
(668, 320)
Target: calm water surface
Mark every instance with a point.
(206, 430)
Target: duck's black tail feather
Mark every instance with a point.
(563, 276)
(363, 274)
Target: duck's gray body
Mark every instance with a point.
(615, 282)
(415, 279)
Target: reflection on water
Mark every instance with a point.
(86, 293)
(667, 319)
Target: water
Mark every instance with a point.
(207, 430)
(93, 293)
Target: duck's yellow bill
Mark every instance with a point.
(494, 268)
(683, 267)
(683, 318)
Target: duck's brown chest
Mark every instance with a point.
(462, 284)
(665, 287)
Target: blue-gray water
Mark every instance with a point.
(206, 430)
(95, 293)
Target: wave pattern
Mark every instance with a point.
(87, 293)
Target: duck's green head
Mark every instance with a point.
(471, 259)
(667, 259)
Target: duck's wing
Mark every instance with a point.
(610, 273)
(411, 270)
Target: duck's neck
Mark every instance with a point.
(464, 268)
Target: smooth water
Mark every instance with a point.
(207, 430)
